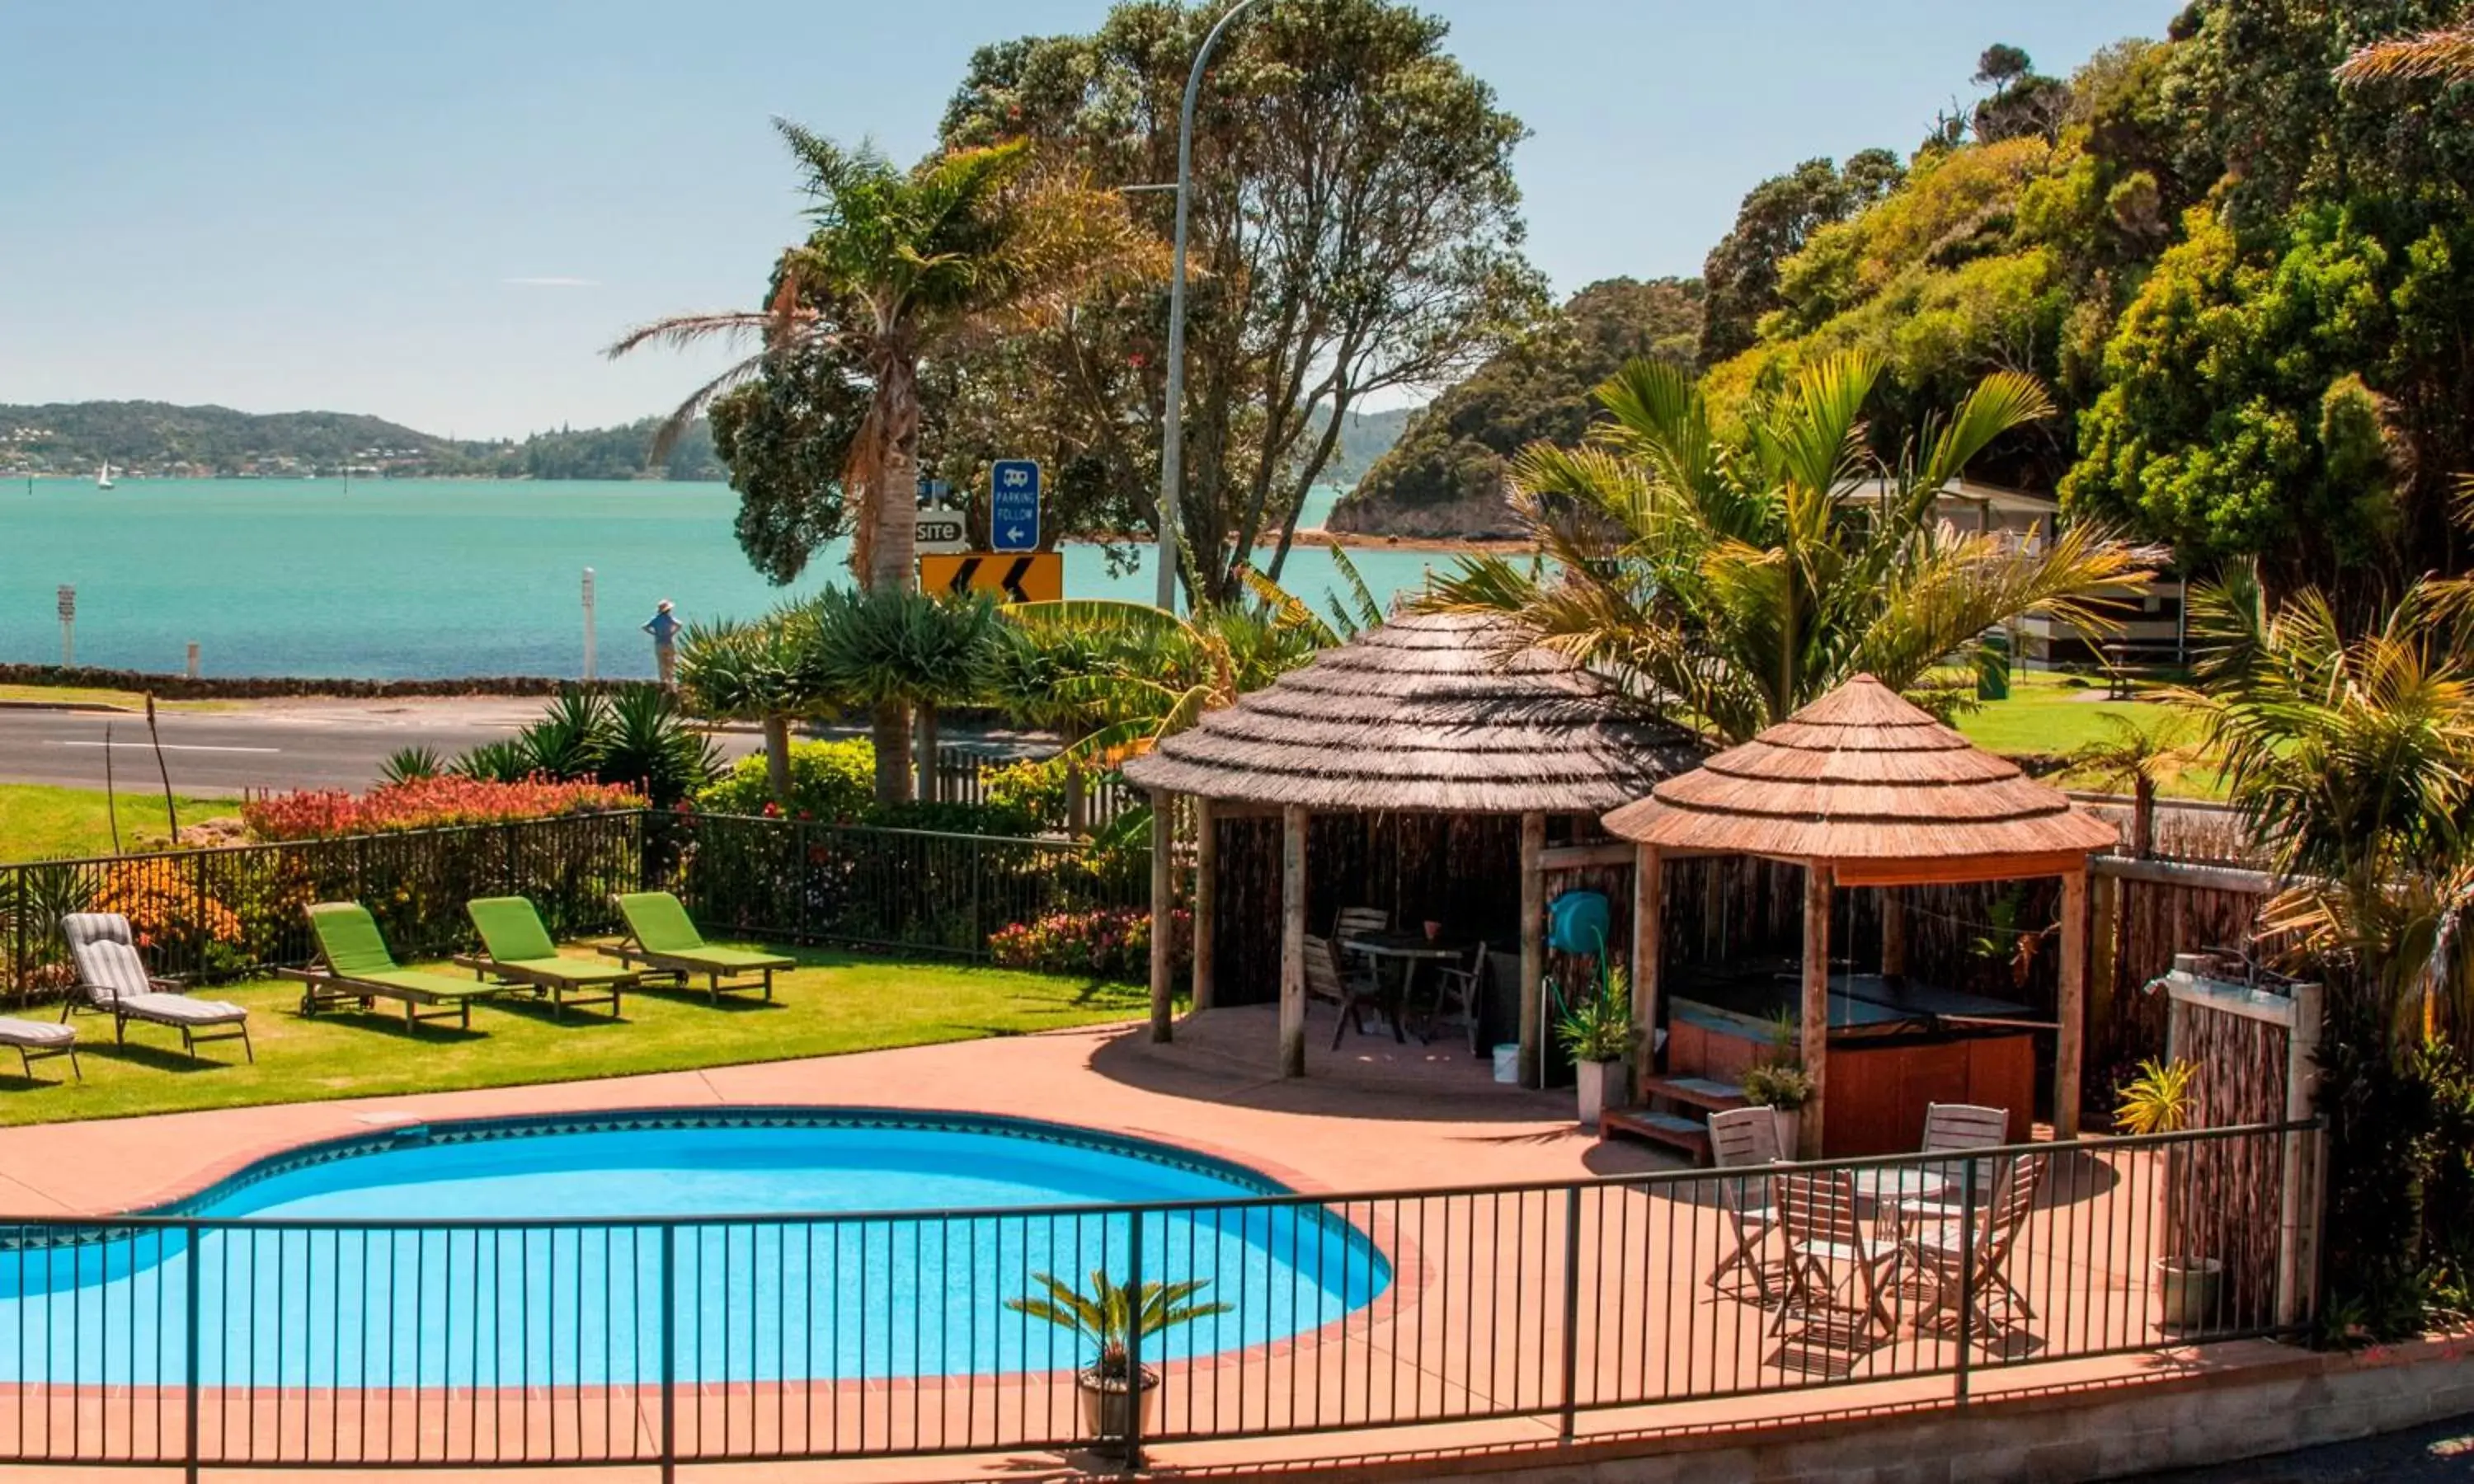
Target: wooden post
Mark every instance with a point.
(1207, 904)
(1293, 941)
(1648, 946)
(1815, 1015)
(2297, 1264)
(1533, 950)
(1894, 933)
(2069, 1045)
(1163, 909)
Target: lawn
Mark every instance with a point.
(92, 695)
(834, 1002)
(37, 822)
(2047, 715)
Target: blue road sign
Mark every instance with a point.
(1013, 505)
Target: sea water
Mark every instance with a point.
(416, 578)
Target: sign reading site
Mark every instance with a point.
(1033, 577)
(939, 531)
(1013, 505)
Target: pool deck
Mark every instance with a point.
(1374, 1116)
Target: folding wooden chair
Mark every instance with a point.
(1461, 990)
(1353, 991)
(1946, 1263)
(1745, 1138)
(1828, 1256)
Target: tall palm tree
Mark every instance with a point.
(2445, 55)
(902, 265)
(1731, 577)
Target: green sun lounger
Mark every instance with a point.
(663, 938)
(519, 951)
(353, 968)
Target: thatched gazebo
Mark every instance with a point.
(1862, 789)
(1429, 714)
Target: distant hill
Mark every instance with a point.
(1364, 436)
(1444, 476)
(161, 439)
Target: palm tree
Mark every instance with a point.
(903, 265)
(904, 650)
(1730, 578)
(2352, 757)
(753, 671)
(2132, 755)
(2445, 56)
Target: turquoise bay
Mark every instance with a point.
(419, 578)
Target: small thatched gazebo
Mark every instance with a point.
(1863, 789)
(1438, 714)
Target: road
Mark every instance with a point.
(278, 745)
(2442, 1454)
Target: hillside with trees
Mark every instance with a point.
(1445, 475)
(164, 440)
(2247, 284)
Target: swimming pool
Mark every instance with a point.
(745, 1247)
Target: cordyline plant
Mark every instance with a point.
(1116, 1317)
(426, 803)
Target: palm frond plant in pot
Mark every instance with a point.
(1597, 1033)
(2159, 1099)
(1114, 1319)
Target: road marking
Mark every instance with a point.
(169, 747)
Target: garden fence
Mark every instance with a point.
(191, 1340)
(210, 914)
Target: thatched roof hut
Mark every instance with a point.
(1428, 714)
(1867, 782)
(1864, 789)
(1433, 712)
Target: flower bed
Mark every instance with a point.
(426, 803)
(1108, 943)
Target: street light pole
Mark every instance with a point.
(1173, 432)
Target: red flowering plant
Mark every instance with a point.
(1107, 943)
(427, 803)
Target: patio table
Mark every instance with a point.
(1410, 950)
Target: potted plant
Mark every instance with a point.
(1599, 1037)
(2159, 1100)
(1783, 1087)
(1115, 1319)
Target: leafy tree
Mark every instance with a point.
(1446, 474)
(1743, 273)
(2025, 103)
(1735, 578)
(886, 647)
(754, 671)
(1355, 230)
(902, 265)
(788, 439)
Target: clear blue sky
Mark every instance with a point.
(438, 210)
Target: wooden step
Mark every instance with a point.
(1704, 1092)
(1689, 1135)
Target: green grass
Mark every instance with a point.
(92, 695)
(834, 1002)
(2048, 716)
(37, 822)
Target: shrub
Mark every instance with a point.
(1032, 788)
(425, 803)
(1108, 943)
(834, 782)
(166, 911)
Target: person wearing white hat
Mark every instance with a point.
(665, 627)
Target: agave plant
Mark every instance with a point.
(503, 761)
(1114, 1318)
(2158, 1099)
(407, 764)
(648, 744)
(565, 742)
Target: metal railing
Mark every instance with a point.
(800, 881)
(198, 1341)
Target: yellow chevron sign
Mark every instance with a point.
(1024, 577)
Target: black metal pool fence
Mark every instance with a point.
(219, 913)
(185, 1340)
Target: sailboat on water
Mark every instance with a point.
(103, 476)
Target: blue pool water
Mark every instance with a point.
(790, 1247)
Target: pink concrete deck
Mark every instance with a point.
(1472, 1323)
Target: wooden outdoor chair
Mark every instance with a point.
(1830, 1260)
(1954, 1126)
(1356, 921)
(1946, 1261)
(1353, 991)
(1745, 1138)
(1462, 990)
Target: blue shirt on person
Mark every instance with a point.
(663, 628)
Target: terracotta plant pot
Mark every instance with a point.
(1434, 930)
(1107, 1418)
(1605, 1085)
